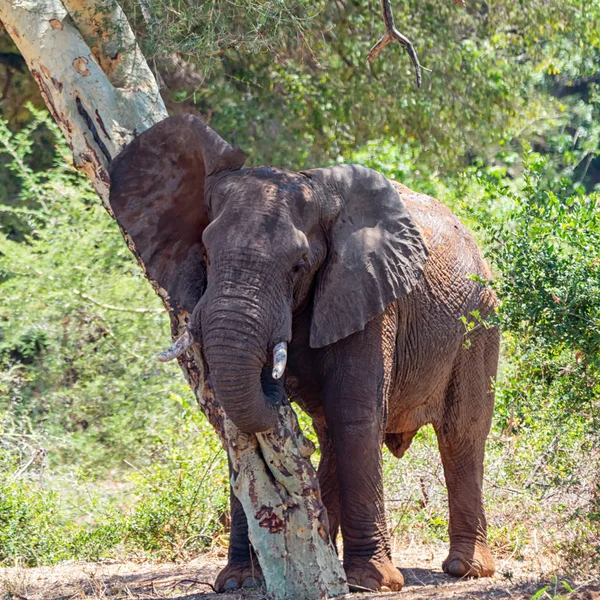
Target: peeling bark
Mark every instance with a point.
(282, 500)
(101, 92)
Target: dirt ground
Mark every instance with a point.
(193, 581)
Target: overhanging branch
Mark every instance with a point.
(391, 34)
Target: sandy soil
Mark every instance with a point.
(193, 581)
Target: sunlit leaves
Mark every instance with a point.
(545, 245)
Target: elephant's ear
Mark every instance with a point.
(375, 253)
(157, 196)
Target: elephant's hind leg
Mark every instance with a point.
(462, 432)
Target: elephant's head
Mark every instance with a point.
(243, 249)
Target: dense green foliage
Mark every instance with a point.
(79, 327)
(290, 81)
(102, 451)
(54, 327)
(546, 246)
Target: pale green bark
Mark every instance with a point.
(101, 92)
(73, 84)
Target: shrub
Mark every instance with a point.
(545, 246)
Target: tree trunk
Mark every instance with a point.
(101, 92)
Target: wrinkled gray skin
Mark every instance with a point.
(367, 281)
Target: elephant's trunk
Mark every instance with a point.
(235, 343)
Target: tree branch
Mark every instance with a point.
(391, 34)
(141, 311)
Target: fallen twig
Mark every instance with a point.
(198, 582)
(168, 583)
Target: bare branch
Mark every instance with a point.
(142, 311)
(391, 34)
(39, 454)
(151, 19)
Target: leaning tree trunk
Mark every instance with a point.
(101, 92)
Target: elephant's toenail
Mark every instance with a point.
(249, 582)
(456, 567)
(385, 588)
(231, 584)
(371, 584)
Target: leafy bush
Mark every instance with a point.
(183, 500)
(545, 246)
(66, 288)
(30, 525)
(176, 507)
(128, 464)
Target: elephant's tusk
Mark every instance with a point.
(279, 359)
(179, 346)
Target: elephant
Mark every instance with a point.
(363, 283)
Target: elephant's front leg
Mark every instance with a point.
(357, 381)
(242, 569)
(328, 480)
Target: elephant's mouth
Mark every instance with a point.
(272, 388)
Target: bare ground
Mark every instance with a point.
(517, 580)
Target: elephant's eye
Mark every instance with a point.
(301, 265)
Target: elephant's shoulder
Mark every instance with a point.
(430, 214)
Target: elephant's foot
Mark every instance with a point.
(477, 562)
(376, 575)
(238, 575)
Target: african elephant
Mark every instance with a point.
(366, 281)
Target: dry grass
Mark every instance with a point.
(535, 534)
(193, 580)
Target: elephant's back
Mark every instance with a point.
(448, 240)
(430, 329)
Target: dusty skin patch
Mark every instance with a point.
(420, 565)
